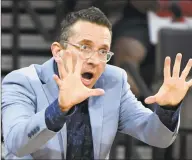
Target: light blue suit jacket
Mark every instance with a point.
(27, 92)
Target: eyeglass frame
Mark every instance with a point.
(78, 46)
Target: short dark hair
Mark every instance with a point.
(92, 14)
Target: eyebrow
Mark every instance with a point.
(105, 46)
(91, 43)
(86, 41)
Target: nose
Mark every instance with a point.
(94, 59)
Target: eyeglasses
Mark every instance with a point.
(88, 52)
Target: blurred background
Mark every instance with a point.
(144, 33)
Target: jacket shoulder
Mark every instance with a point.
(114, 72)
(18, 76)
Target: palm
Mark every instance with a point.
(174, 87)
(172, 92)
(79, 91)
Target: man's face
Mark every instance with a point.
(97, 37)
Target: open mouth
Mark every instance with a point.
(87, 75)
(87, 78)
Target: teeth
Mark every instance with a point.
(87, 80)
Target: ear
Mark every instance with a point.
(56, 48)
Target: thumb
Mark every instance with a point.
(96, 92)
(150, 100)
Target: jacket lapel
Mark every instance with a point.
(49, 85)
(51, 90)
(96, 118)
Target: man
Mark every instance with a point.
(77, 112)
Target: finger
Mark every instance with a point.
(187, 69)
(167, 68)
(176, 67)
(63, 56)
(150, 100)
(57, 80)
(69, 62)
(190, 83)
(74, 59)
(61, 68)
(96, 92)
(79, 64)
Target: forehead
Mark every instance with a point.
(98, 34)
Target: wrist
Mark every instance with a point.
(63, 108)
(171, 107)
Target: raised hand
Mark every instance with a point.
(174, 87)
(71, 89)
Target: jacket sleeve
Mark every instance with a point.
(24, 130)
(55, 118)
(141, 122)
